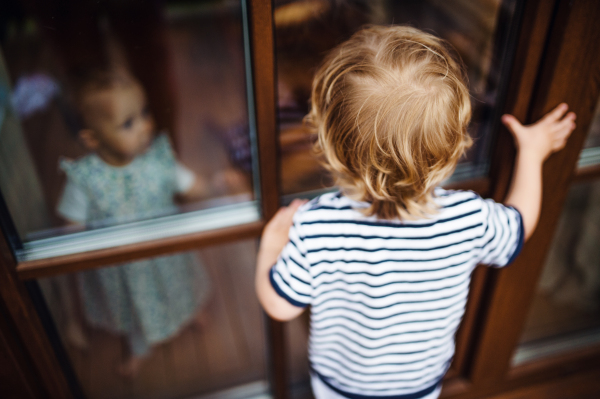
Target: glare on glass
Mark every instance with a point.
(590, 155)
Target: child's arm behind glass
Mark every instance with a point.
(534, 144)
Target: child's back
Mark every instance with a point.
(387, 296)
(385, 263)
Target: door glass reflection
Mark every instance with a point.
(306, 29)
(565, 314)
(122, 111)
(590, 155)
(166, 327)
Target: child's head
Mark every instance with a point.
(114, 116)
(391, 107)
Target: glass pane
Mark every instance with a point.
(117, 112)
(565, 314)
(168, 327)
(307, 29)
(590, 155)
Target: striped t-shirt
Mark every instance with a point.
(387, 296)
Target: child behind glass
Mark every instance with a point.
(385, 263)
(131, 174)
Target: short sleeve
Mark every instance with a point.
(73, 204)
(290, 276)
(184, 177)
(503, 234)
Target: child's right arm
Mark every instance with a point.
(534, 144)
(274, 239)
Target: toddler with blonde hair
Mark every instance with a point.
(386, 262)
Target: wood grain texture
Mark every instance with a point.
(571, 60)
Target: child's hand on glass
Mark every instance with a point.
(275, 234)
(538, 140)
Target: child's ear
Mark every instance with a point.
(88, 138)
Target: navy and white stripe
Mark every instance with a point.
(387, 296)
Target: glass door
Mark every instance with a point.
(128, 139)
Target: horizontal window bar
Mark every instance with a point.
(136, 232)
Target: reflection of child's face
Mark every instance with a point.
(120, 126)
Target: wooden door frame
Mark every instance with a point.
(530, 42)
(34, 350)
(569, 71)
(263, 72)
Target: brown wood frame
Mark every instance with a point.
(106, 257)
(534, 28)
(570, 60)
(496, 301)
(17, 379)
(34, 350)
(263, 69)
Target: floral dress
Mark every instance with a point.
(149, 300)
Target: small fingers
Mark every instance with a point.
(566, 123)
(511, 122)
(562, 135)
(297, 203)
(291, 209)
(555, 114)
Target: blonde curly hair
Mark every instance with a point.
(391, 108)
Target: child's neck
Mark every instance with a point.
(113, 159)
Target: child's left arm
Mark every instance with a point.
(274, 239)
